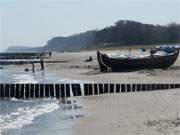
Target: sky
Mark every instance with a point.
(34, 22)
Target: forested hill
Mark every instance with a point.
(122, 33)
(135, 33)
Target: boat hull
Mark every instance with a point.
(130, 64)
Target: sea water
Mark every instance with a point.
(38, 116)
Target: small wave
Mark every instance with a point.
(24, 116)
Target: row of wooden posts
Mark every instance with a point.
(28, 91)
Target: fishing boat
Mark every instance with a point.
(153, 61)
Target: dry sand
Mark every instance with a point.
(77, 69)
(138, 113)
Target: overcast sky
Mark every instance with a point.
(33, 22)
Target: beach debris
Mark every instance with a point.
(89, 59)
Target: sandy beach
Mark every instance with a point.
(77, 69)
(136, 113)
(142, 113)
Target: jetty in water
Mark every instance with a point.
(24, 55)
(63, 91)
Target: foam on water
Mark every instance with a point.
(24, 116)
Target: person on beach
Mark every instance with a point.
(33, 67)
(42, 61)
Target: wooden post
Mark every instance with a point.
(12, 90)
(1, 90)
(6, 95)
(57, 88)
(158, 87)
(133, 87)
(51, 90)
(78, 89)
(153, 86)
(143, 87)
(47, 90)
(74, 91)
(27, 90)
(111, 90)
(86, 90)
(68, 90)
(138, 87)
(95, 89)
(162, 86)
(166, 86)
(177, 85)
(128, 86)
(123, 88)
(41, 93)
(90, 89)
(62, 91)
(148, 86)
(17, 89)
(117, 88)
(105, 88)
(32, 91)
(21, 92)
(101, 89)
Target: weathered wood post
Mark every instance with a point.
(57, 88)
(1, 90)
(143, 87)
(51, 90)
(118, 88)
(62, 91)
(47, 87)
(12, 91)
(101, 90)
(32, 91)
(153, 86)
(128, 87)
(21, 93)
(78, 89)
(6, 94)
(17, 89)
(41, 93)
(36, 89)
(111, 88)
(123, 88)
(90, 88)
(74, 91)
(105, 88)
(27, 92)
(133, 87)
(95, 89)
(148, 86)
(67, 90)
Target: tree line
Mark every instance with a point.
(126, 32)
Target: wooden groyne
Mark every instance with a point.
(24, 55)
(63, 91)
(25, 61)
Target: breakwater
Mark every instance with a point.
(63, 91)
